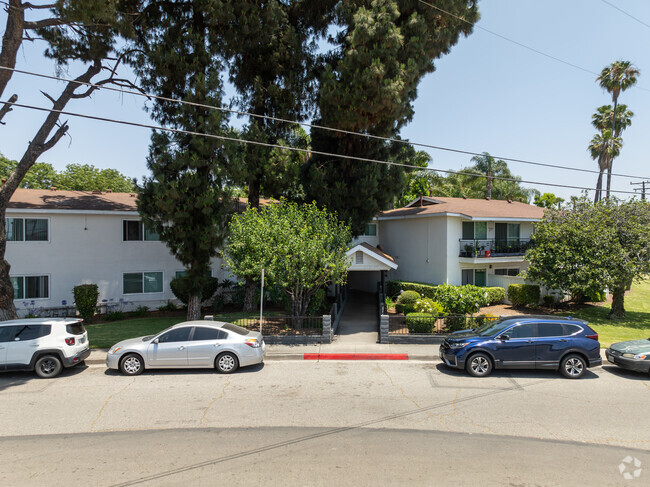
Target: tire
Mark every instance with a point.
(48, 366)
(479, 365)
(226, 363)
(573, 366)
(132, 364)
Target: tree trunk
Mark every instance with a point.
(194, 308)
(611, 162)
(618, 298)
(249, 295)
(41, 143)
(599, 187)
(11, 40)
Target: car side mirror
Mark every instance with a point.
(156, 340)
(504, 337)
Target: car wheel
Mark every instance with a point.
(573, 366)
(132, 364)
(48, 366)
(227, 363)
(479, 365)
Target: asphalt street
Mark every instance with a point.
(317, 423)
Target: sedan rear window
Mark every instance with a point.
(235, 329)
(75, 328)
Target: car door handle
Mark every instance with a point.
(181, 347)
(561, 340)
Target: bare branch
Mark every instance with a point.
(48, 97)
(37, 7)
(38, 24)
(60, 132)
(6, 108)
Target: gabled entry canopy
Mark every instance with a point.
(365, 257)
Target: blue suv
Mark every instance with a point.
(524, 342)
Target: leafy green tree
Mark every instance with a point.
(82, 33)
(367, 84)
(592, 246)
(40, 176)
(85, 177)
(548, 200)
(418, 182)
(186, 200)
(300, 247)
(616, 78)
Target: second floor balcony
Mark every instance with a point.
(494, 247)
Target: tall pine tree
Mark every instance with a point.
(186, 200)
(382, 49)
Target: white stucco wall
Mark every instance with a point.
(88, 248)
(418, 246)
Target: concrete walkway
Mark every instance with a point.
(358, 326)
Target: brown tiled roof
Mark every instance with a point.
(366, 245)
(47, 199)
(472, 208)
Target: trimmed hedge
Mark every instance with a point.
(496, 295)
(423, 289)
(484, 296)
(85, 300)
(523, 294)
(421, 322)
(426, 305)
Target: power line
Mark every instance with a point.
(311, 126)
(297, 149)
(536, 51)
(625, 13)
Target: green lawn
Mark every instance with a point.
(105, 335)
(636, 324)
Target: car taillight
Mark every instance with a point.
(69, 341)
(253, 343)
(593, 337)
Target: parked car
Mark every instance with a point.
(44, 345)
(632, 355)
(524, 342)
(193, 344)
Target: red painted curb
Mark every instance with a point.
(356, 356)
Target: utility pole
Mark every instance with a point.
(642, 188)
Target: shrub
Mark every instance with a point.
(389, 303)
(548, 300)
(523, 294)
(183, 286)
(461, 299)
(495, 295)
(421, 322)
(114, 316)
(168, 307)
(406, 302)
(85, 300)
(316, 303)
(423, 289)
(426, 305)
(140, 311)
(456, 323)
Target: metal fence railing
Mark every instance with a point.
(284, 325)
(409, 325)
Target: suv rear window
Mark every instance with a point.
(75, 328)
(550, 330)
(32, 332)
(235, 329)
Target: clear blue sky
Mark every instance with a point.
(486, 95)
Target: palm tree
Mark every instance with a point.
(604, 148)
(485, 164)
(616, 78)
(602, 119)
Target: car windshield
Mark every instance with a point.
(494, 327)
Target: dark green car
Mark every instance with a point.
(632, 355)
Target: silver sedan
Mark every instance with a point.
(194, 344)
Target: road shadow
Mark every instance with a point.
(514, 373)
(250, 369)
(22, 377)
(626, 374)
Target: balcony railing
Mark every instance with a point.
(494, 247)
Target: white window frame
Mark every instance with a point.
(24, 240)
(143, 291)
(367, 234)
(507, 269)
(142, 228)
(49, 287)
